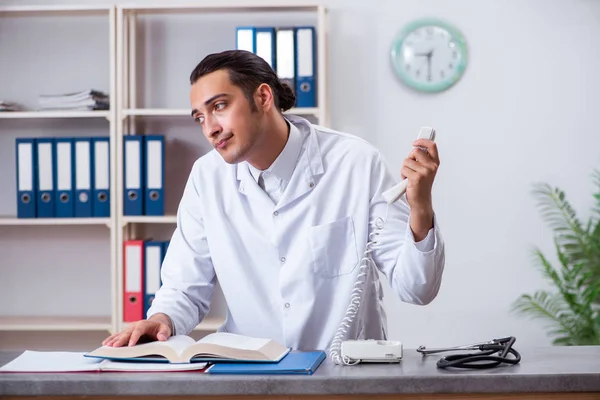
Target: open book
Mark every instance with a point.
(215, 347)
(66, 361)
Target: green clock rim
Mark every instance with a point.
(457, 37)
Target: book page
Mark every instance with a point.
(234, 341)
(170, 349)
(51, 361)
(178, 342)
(110, 365)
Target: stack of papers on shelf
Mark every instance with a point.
(64, 361)
(86, 100)
(10, 106)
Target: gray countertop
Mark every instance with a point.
(550, 369)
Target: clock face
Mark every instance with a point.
(429, 55)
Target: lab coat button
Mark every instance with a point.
(282, 260)
(287, 305)
(276, 213)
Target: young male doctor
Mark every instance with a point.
(281, 212)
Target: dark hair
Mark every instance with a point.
(247, 71)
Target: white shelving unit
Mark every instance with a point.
(157, 112)
(55, 114)
(59, 322)
(55, 323)
(55, 221)
(127, 113)
(131, 110)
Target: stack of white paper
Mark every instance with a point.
(62, 361)
(85, 100)
(10, 106)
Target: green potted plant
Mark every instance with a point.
(572, 310)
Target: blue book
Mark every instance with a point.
(295, 363)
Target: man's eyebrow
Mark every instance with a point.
(210, 100)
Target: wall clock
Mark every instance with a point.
(429, 55)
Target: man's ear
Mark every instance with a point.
(264, 97)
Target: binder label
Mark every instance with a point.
(101, 165)
(132, 169)
(82, 171)
(45, 166)
(155, 167)
(25, 167)
(63, 163)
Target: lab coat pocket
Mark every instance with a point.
(333, 247)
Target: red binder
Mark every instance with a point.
(133, 280)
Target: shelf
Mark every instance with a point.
(50, 323)
(61, 9)
(218, 7)
(210, 324)
(53, 114)
(54, 221)
(184, 112)
(143, 219)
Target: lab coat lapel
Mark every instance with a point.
(308, 169)
(249, 187)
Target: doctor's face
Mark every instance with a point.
(227, 119)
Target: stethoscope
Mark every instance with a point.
(485, 358)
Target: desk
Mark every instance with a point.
(558, 372)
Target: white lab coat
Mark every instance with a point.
(287, 270)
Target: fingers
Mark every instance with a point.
(122, 339)
(132, 334)
(138, 331)
(118, 339)
(415, 166)
(431, 148)
(110, 339)
(411, 175)
(163, 332)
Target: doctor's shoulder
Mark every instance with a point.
(350, 148)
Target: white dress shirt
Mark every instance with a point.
(287, 252)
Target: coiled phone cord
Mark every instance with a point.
(335, 348)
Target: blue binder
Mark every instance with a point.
(133, 161)
(294, 363)
(154, 169)
(265, 47)
(306, 89)
(46, 178)
(64, 161)
(245, 38)
(165, 245)
(153, 256)
(83, 177)
(101, 181)
(26, 177)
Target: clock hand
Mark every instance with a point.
(429, 64)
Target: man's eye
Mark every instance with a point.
(219, 106)
(200, 119)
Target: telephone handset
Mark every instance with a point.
(351, 352)
(393, 194)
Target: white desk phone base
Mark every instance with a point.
(351, 352)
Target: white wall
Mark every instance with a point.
(524, 112)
